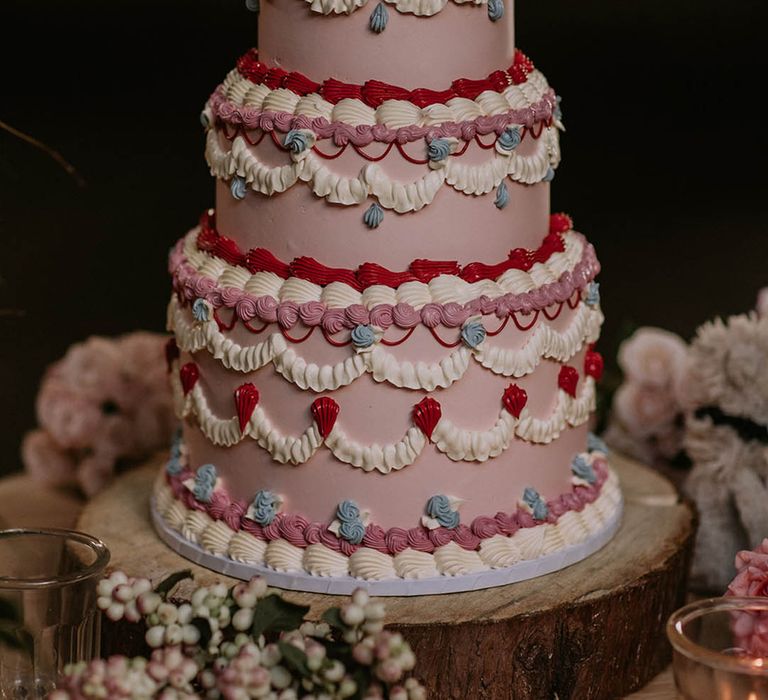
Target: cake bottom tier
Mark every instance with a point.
(209, 537)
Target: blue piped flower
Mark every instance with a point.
(351, 528)
(582, 469)
(296, 141)
(174, 465)
(557, 113)
(200, 311)
(473, 333)
(509, 139)
(253, 5)
(379, 18)
(439, 508)
(596, 444)
(205, 119)
(264, 508)
(238, 187)
(363, 336)
(502, 196)
(495, 10)
(373, 216)
(549, 175)
(536, 503)
(438, 149)
(205, 482)
(593, 294)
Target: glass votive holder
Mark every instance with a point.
(720, 649)
(48, 614)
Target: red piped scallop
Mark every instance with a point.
(228, 250)
(514, 399)
(301, 84)
(171, 353)
(189, 374)
(325, 411)
(369, 274)
(206, 239)
(594, 365)
(568, 379)
(261, 260)
(246, 400)
(309, 269)
(374, 92)
(425, 270)
(426, 415)
(372, 273)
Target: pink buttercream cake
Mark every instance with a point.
(383, 351)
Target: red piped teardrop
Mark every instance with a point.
(426, 415)
(246, 400)
(189, 374)
(171, 353)
(568, 379)
(514, 399)
(594, 365)
(325, 411)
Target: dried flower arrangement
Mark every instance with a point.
(244, 642)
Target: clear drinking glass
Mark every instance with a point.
(47, 606)
(720, 648)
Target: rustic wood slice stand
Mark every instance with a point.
(594, 630)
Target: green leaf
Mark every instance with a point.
(361, 676)
(333, 617)
(295, 659)
(9, 611)
(166, 586)
(338, 651)
(273, 614)
(204, 627)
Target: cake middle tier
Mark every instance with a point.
(484, 438)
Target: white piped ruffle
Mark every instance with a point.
(402, 197)
(455, 442)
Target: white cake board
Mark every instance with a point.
(299, 581)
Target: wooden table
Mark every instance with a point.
(24, 503)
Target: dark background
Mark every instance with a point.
(663, 165)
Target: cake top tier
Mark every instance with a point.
(406, 42)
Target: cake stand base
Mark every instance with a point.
(594, 630)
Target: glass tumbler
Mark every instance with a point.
(720, 648)
(48, 614)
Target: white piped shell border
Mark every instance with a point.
(391, 113)
(501, 560)
(443, 289)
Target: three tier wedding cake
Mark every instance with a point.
(383, 341)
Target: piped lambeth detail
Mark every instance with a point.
(430, 426)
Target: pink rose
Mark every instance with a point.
(762, 302)
(45, 461)
(70, 418)
(106, 399)
(644, 410)
(752, 576)
(653, 357)
(95, 473)
(750, 629)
